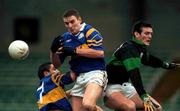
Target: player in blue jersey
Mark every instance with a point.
(50, 93)
(83, 44)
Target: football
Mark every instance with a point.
(18, 49)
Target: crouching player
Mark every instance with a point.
(50, 93)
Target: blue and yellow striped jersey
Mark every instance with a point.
(51, 95)
(88, 37)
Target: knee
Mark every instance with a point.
(130, 106)
(89, 106)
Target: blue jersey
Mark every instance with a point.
(51, 95)
(88, 37)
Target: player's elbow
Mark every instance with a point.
(55, 60)
(100, 54)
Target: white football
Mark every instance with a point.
(18, 49)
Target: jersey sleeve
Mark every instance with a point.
(152, 61)
(62, 79)
(136, 80)
(66, 78)
(94, 39)
(56, 78)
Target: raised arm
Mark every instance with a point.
(57, 59)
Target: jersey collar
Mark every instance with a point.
(137, 41)
(82, 26)
(81, 29)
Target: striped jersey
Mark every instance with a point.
(50, 94)
(88, 37)
(126, 61)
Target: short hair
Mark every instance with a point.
(43, 67)
(71, 12)
(139, 25)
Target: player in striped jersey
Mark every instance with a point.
(50, 93)
(83, 44)
(124, 66)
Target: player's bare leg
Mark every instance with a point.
(119, 102)
(92, 93)
(98, 108)
(76, 103)
(137, 100)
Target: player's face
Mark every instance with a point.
(146, 35)
(73, 24)
(52, 69)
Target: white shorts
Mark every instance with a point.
(97, 76)
(126, 89)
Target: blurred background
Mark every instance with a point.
(38, 21)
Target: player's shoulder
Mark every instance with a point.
(126, 47)
(90, 31)
(131, 44)
(62, 36)
(126, 44)
(88, 27)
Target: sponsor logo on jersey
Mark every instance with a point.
(81, 35)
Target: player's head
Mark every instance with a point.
(143, 31)
(72, 21)
(45, 69)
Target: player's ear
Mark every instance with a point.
(80, 19)
(136, 34)
(46, 73)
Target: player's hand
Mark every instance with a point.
(56, 72)
(57, 43)
(68, 93)
(148, 105)
(170, 65)
(68, 50)
(73, 75)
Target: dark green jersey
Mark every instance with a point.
(125, 63)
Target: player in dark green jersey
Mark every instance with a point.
(124, 66)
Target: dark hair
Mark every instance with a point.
(139, 25)
(71, 12)
(43, 67)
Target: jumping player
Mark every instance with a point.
(124, 66)
(83, 44)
